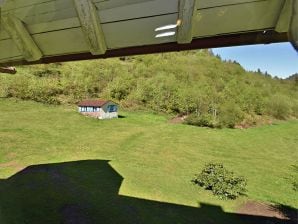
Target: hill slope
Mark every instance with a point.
(214, 92)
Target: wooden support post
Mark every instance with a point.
(91, 26)
(284, 20)
(186, 13)
(21, 37)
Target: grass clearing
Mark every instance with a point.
(156, 159)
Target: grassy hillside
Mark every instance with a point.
(196, 83)
(156, 160)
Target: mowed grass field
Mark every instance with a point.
(149, 164)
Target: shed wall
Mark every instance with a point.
(105, 114)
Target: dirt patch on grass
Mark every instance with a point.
(9, 164)
(12, 165)
(254, 121)
(177, 120)
(253, 208)
(11, 155)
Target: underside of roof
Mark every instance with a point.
(44, 31)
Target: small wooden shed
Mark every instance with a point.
(101, 109)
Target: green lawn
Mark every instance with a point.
(155, 159)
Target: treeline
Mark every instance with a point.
(197, 84)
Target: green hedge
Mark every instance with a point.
(223, 183)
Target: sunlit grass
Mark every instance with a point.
(156, 159)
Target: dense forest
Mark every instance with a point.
(195, 84)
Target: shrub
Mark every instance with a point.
(279, 106)
(201, 121)
(295, 108)
(220, 181)
(230, 114)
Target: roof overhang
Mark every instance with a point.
(41, 31)
(95, 103)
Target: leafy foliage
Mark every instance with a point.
(231, 114)
(203, 120)
(279, 106)
(221, 182)
(211, 92)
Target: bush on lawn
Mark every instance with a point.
(223, 183)
(201, 121)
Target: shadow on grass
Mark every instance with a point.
(121, 116)
(287, 211)
(86, 192)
